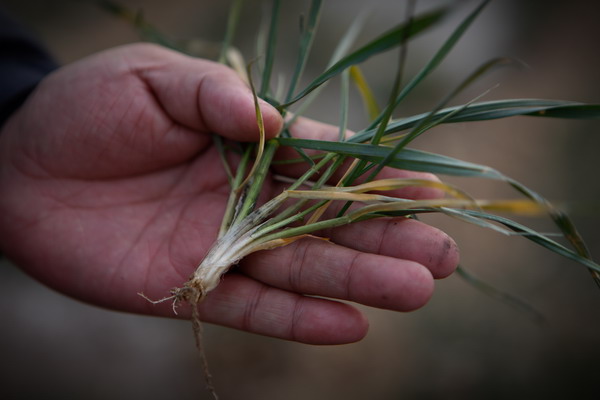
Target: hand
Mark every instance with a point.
(111, 187)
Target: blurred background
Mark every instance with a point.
(463, 344)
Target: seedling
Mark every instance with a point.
(300, 210)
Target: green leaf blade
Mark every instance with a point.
(409, 159)
(385, 42)
(437, 58)
(491, 110)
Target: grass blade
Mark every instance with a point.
(258, 177)
(220, 146)
(397, 183)
(306, 42)
(427, 122)
(232, 23)
(416, 160)
(389, 109)
(145, 29)
(379, 45)
(500, 295)
(491, 110)
(536, 238)
(358, 168)
(409, 159)
(340, 50)
(270, 52)
(344, 102)
(358, 192)
(575, 111)
(261, 130)
(437, 58)
(365, 91)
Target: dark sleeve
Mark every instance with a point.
(23, 64)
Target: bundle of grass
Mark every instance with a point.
(299, 210)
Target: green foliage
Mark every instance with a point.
(383, 143)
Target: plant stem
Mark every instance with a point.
(271, 43)
(257, 181)
(232, 22)
(306, 229)
(305, 44)
(235, 193)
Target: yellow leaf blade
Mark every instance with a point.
(365, 91)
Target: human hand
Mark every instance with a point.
(111, 187)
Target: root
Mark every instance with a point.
(192, 293)
(172, 297)
(198, 336)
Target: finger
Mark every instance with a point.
(204, 95)
(317, 267)
(309, 129)
(401, 238)
(242, 303)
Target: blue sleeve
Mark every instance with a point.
(23, 64)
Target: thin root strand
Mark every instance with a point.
(172, 297)
(192, 293)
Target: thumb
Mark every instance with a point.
(204, 95)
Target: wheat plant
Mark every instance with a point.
(299, 211)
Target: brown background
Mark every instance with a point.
(462, 345)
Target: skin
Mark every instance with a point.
(111, 187)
